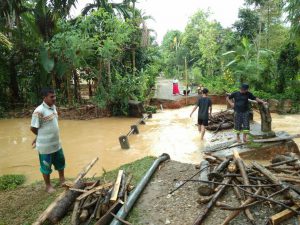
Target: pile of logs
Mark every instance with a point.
(91, 202)
(221, 121)
(98, 202)
(274, 184)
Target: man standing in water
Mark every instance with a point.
(241, 110)
(44, 124)
(205, 109)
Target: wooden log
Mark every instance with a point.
(122, 187)
(99, 188)
(117, 184)
(276, 139)
(246, 181)
(204, 188)
(212, 202)
(232, 167)
(283, 215)
(216, 173)
(84, 215)
(273, 179)
(237, 212)
(43, 217)
(204, 200)
(74, 218)
(107, 217)
(62, 206)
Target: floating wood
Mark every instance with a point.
(204, 188)
(60, 199)
(117, 184)
(283, 215)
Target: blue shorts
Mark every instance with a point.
(47, 160)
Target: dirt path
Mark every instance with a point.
(164, 89)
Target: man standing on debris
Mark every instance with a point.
(205, 109)
(241, 110)
(44, 124)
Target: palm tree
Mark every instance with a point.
(113, 8)
(4, 41)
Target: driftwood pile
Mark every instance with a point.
(221, 121)
(275, 184)
(91, 202)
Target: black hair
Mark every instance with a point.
(245, 86)
(205, 91)
(46, 91)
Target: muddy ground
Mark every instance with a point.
(156, 207)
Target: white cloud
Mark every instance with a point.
(174, 14)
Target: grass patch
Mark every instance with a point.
(24, 204)
(10, 182)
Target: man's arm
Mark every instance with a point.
(230, 101)
(194, 109)
(34, 130)
(260, 101)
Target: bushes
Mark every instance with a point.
(9, 182)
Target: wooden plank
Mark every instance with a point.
(283, 215)
(117, 184)
(103, 186)
(275, 139)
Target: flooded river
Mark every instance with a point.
(170, 131)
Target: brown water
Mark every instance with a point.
(170, 131)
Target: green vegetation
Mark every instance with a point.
(260, 49)
(32, 200)
(10, 182)
(109, 48)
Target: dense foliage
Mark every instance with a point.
(261, 48)
(108, 48)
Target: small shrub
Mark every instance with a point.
(151, 109)
(9, 182)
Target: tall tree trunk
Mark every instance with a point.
(109, 73)
(133, 61)
(13, 84)
(76, 85)
(68, 87)
(90, 89)
(99, 74)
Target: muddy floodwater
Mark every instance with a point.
(169, 131)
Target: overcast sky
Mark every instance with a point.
(174, 14)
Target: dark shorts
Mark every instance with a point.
(241, 122)
(47, 160)
(202, 122)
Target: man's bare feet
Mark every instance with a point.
(50, 189)
(62, 182)
(238, 140)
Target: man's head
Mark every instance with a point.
(244, 88)
(205, 91)
(48, 95)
